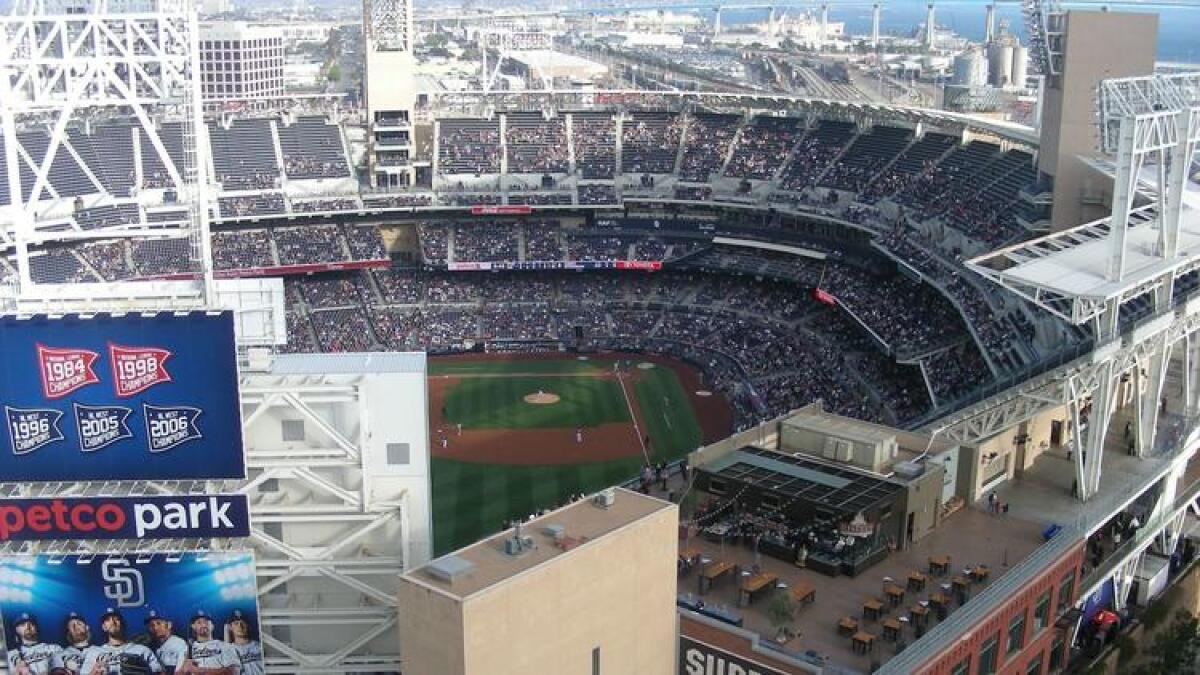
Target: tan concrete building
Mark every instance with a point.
(588, 589)
(1109, 44)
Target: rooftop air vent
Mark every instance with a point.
(450, 568)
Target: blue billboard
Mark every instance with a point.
(149, 517)
(120, 397)
(93, 614)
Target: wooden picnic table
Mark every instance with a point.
(804, 592)
(712, 572)
(848, 625)
(891, 629)
(939, 564)
(916, 580)
(863, 642)
(753, 584)
(872, 608)
(894, 593)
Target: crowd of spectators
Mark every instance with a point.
(242, 249)
(593, 194)
(365, 242)
(435, 242)
(543, 241)
(595, 136)
(542, 199)
(650, 142)
(763, 147)
(706, 145)
(485, 242)
(312, 244)
(693, 193)
(536, 144)
(264, 203)
(109, 259)
(327, 205)
(396, 201)
(468, 146)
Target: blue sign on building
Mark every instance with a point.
(120, 397)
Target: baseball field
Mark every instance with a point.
(514, 433)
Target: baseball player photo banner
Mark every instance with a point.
(108, 615)
(120, 397)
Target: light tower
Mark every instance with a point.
(389, 86)
(135, 60)
(989, 28)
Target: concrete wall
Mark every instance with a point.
(616, 593)
(923, 501)
(1099, 45)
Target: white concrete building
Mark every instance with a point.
(240, 62)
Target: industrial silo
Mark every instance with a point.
(1000, 57)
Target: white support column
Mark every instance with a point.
(1123, 578)
(1122, 199)
(1181, 155)
(1148, 397)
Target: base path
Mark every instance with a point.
(558, 447)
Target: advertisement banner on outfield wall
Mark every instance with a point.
(119, 397)
(119, 615)
(151, 517)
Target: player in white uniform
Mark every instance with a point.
(79, 641)
(32, 656)
(207, 656)
(240, 634)
(170, 648)
(118, 656)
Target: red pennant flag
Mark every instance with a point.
(65, 370)
(136, 369)
(824, 297)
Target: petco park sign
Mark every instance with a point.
(182, 517)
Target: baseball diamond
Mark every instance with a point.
(496, 455)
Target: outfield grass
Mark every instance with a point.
(499, 403)
(471, 501)
(456, 367)
(669, 417)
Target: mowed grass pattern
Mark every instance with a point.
(669, 417)
(471, 501)
(499, 403)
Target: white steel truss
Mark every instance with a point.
(1085, 274)
(329, 542)
(66, 61)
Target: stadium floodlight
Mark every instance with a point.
(68, 68)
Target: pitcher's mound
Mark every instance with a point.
(541, 398)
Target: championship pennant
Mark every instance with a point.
(101, 426)
(30, 429)
(136, 369)
(65, 370)
(169, 427)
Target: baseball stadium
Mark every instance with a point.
(609, 287)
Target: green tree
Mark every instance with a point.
(1175, 649)
(781, 612)
(334, 73)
